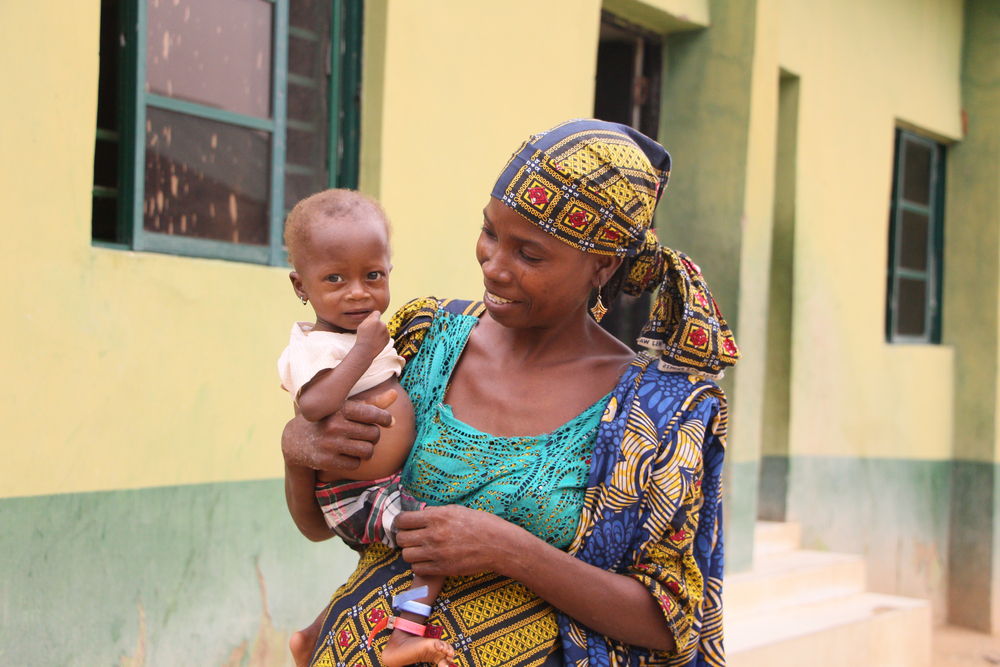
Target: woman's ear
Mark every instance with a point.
(605, 267)
(300, 290)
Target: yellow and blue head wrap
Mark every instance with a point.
(594, 185)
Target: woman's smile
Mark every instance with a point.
(497, 299)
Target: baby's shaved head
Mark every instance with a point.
(324, 207)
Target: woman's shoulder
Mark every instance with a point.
(410, 323)
(662, 393)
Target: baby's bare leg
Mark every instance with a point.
(303, 642)
(404, 648)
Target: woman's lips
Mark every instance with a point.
(496, 299)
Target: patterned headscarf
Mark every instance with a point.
(594, 185)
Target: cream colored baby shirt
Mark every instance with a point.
(310, 352)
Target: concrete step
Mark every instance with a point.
(864, 629)
(771, 537)
(794, 577)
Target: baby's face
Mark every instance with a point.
(343, 270)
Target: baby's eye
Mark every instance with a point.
(334, 278)
(375, 275)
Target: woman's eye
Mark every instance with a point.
(374, 275)
(334, 278)
(530, 258)
(489, 232)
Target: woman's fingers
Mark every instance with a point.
(418, 554)
(408, 521)
(450, 540)
(371, 414)
(348, 454)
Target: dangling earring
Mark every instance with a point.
(598, 310)
(305, 300)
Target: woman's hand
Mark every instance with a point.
(338, 443)
(341, 441)
(452, 540)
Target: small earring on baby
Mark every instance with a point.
(305, 300)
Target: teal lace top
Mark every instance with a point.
(537, 482)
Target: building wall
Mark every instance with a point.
(140, 497)
(870, 432)
(971, 281)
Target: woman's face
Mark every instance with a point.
(533, 279)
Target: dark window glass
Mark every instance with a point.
(104, 210)
(106, 162)
(308, 100)
(187, 141)
(917, 172)
(913, 311)
(214, 53)
(913, 247)
(205, 179)
(105, 218)
(107, 87)
(911, 318)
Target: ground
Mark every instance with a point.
(958, 647)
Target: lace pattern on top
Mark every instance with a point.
(536, 482)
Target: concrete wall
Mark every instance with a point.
(972, 271)
(140, 498)
(144, 402)
(870, 430)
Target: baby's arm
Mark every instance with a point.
(326, 393)
(394, 441)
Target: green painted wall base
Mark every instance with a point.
(893, 511)
(192, 575)
(973, 557)
(740, 497)
(772, 494)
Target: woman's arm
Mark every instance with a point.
(339, 442)
(454, 540)
(301, 500)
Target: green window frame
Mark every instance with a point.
(916, 240)
(123, 130)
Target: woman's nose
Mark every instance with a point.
(495, 267)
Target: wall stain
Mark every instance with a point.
(138, 659)
(270, 646)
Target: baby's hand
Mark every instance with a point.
(372, 334)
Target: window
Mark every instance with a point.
(215, 116)
(913, 314)
(629, 62)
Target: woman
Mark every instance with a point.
(600, 541)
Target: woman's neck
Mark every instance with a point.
(572, 337)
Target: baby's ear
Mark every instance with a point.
(297, 286)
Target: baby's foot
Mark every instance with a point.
(301, 644)
(404, 649)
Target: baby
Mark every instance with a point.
(338, 244)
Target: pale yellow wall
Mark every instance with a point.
(123, 369)
(756, 224)
(662, 15)
(128, 370)
(863, 67)
(465, 84)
